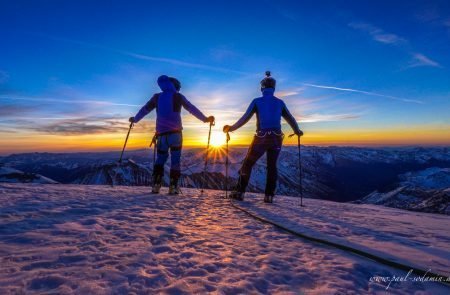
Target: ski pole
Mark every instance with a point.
(126, 140)
(300, 174)
(206, 155)
(226, 167)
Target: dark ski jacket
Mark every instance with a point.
(168, 105)
(269, 110)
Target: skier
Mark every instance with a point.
(268, 138)
(169, 128)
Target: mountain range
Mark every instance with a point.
(408, 178)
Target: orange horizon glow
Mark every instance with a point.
(23, 142)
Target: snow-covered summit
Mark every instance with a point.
(65, 239)
(431, 178)
(425, 190)
(113, 173)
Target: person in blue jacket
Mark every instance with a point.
(268, 138)
(168, 104)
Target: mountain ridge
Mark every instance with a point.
(340, 174)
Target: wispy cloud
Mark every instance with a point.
(420, 60)
(180, 63)
(66, 101)
(364, 92)
(377, 34)
(313, 118)
(83, 126)
(290, 92)
(146, 57)
(14, 110)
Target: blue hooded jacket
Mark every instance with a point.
(168, 105)
(269, 110)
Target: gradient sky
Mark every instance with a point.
(352, 72)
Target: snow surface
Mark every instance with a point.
(413, 238)
(74, 239)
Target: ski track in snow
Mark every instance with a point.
(72, 239)
(414, 238)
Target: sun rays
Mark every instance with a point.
(217, 139)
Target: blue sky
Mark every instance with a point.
(350, 71)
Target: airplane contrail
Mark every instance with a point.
(364, 92)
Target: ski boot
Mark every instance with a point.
(174, 189)
(268, 199)
(158, 173)
(237, 195)
(156, 184)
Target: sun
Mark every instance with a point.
(217, 139)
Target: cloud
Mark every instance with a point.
(66, 101)
(364, 92)
(420, 60)
(377, 34)
(14, 110)
(83, 126)
(290, 92)
(146, 57)
(181, 63)
(312, 118)
(71, 125)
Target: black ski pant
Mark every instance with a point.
(269, 144)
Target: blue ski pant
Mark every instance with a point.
(171, 142)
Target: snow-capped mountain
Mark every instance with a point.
(12, 175)
(126, 173)
(426, 190)
(340, 174)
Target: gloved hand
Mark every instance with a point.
(210, 119)
(131, 120)
(226, 128)
(299, 133)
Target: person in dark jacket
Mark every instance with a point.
(268, 138)
(168, 104)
